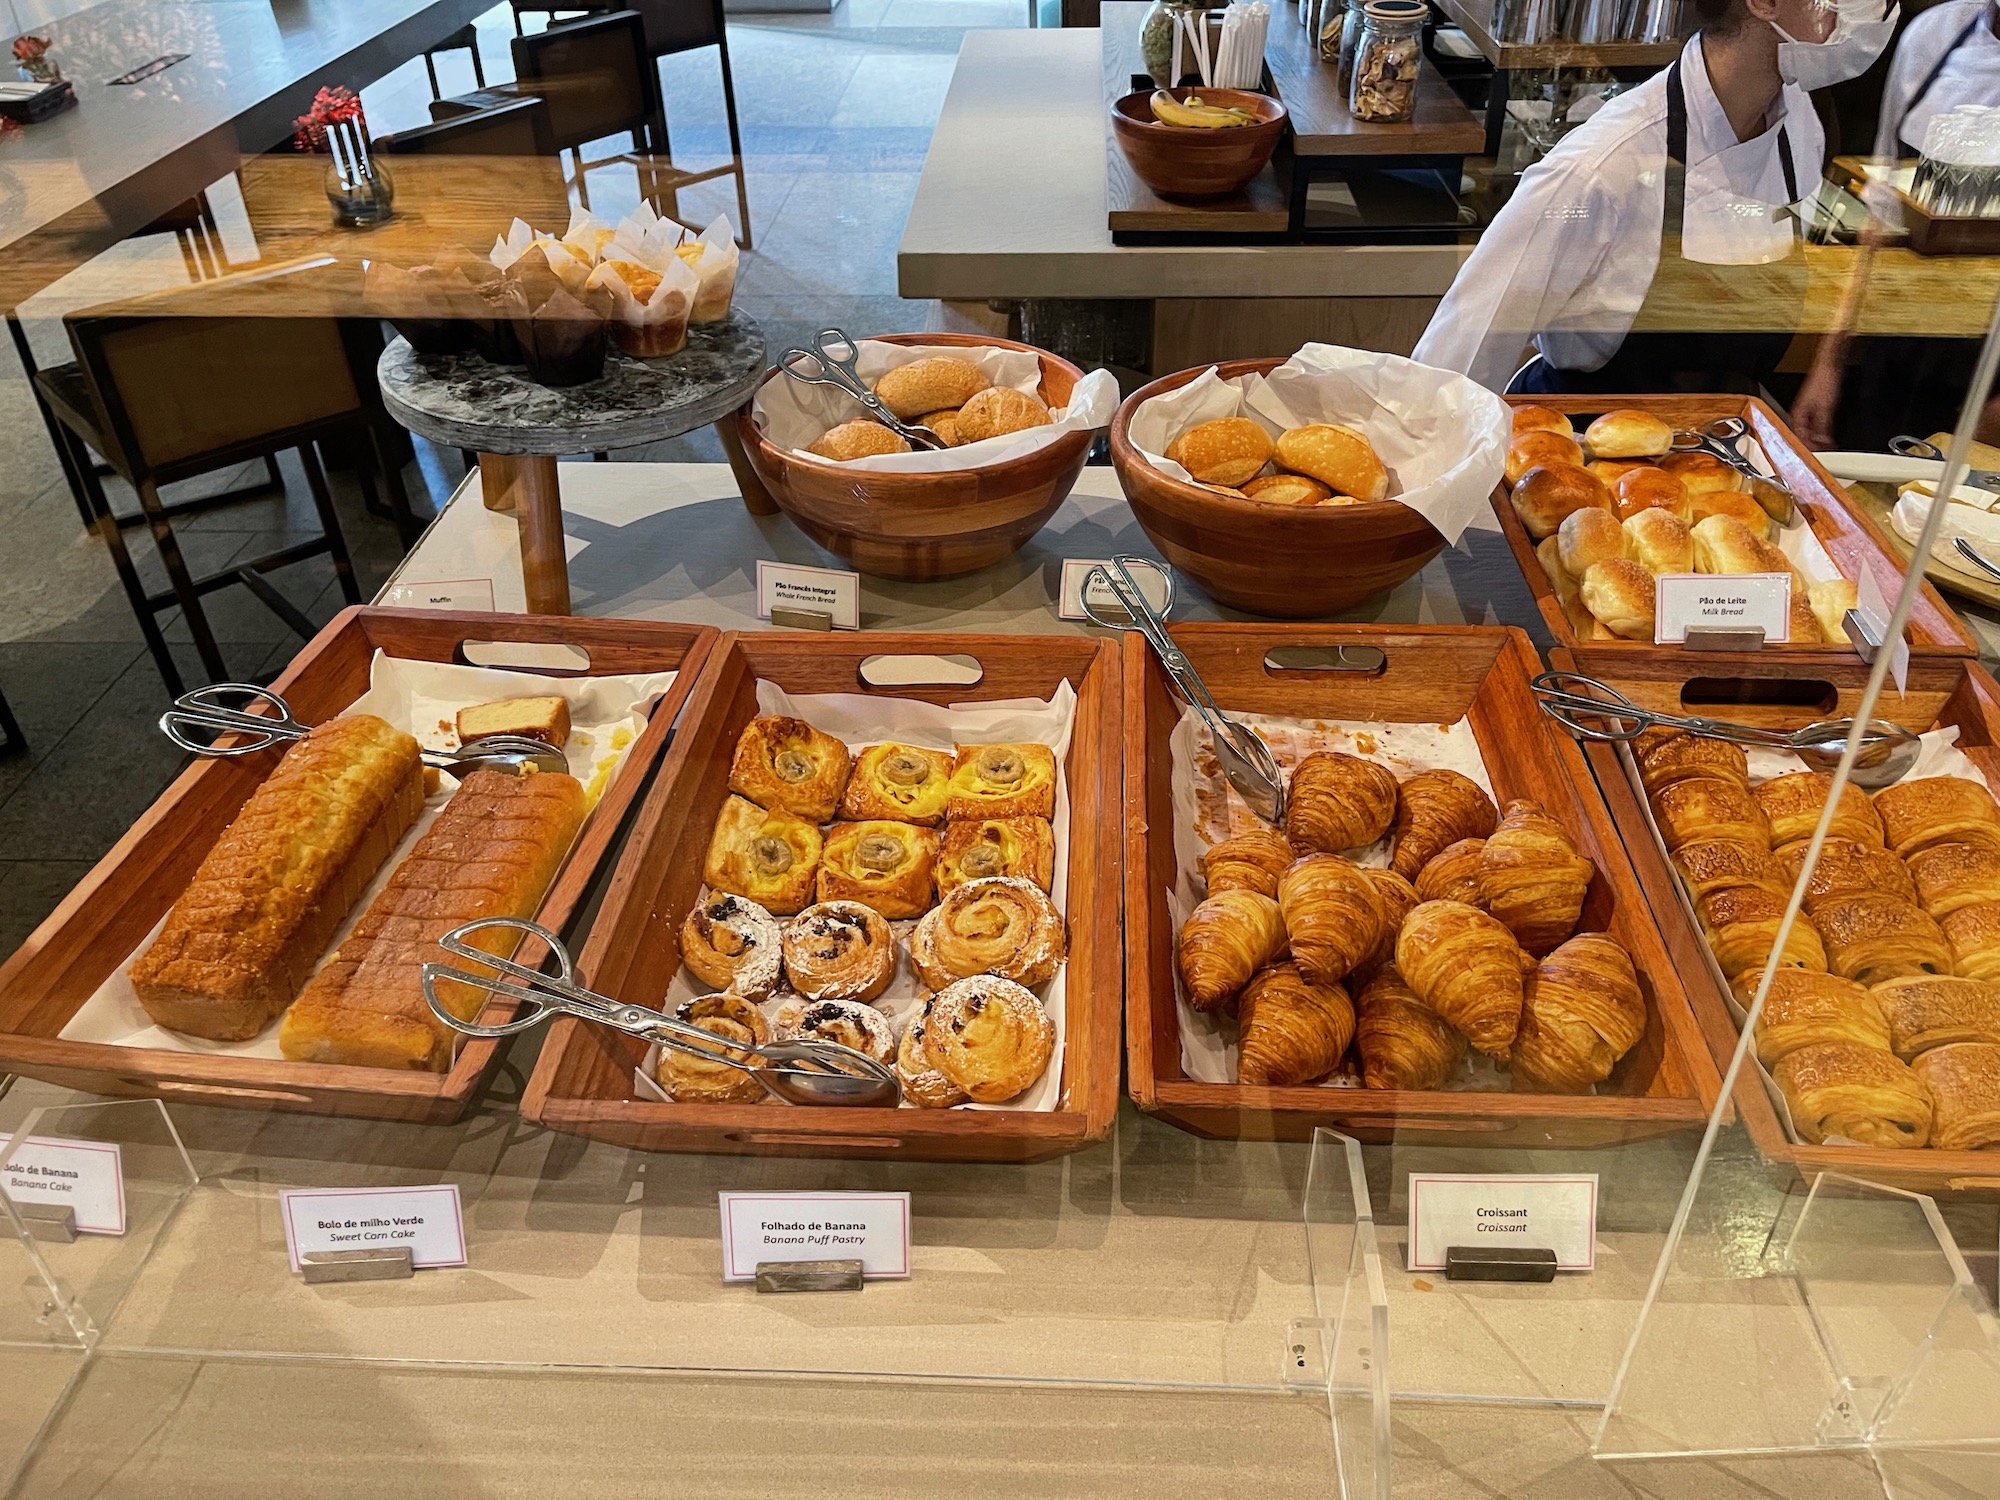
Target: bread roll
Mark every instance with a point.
(1228, 450)
(1647, 488)
(1568, 594)
(1287, 489)
(857, 439)
(1830, 602)
(1805, 624)
(1658, 542)
(1530, 449)
(945, 425)
(1587, 537)
(1541, 419)
(1619, 593)
(1547, 494)
(1732, 503)
(940, 383)
(1341, 458)
(1701, 473)
(999, 410)
(1723, 544)
(1611, 470)
(1628, 434)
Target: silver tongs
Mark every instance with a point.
(799, 1071)
(1245, 760)
(1723, 439)
(820, 365)
(205, 708)
(1888, 751)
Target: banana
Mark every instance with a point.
(1194, 114)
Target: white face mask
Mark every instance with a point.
(1847, 53)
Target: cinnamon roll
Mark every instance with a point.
(923, 1085)
(1003, 926)
(985, 847)
(903, 783)
(881, 864)
(1002, 781)
(849, 1023)
(989, 1036)
(839, 950)
(687, 1079)
(732, 943)
(789, 766)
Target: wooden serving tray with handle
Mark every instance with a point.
(1434, 675)
(582, 1082)
(101, 922)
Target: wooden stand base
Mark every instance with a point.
(526, 485)
(756, 499)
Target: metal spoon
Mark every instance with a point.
(798, 1071)
(204, 709)
(1888, 751)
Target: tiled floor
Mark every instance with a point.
(836, 114)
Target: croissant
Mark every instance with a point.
(1224, 941)
(1964, 1084)
(1872, 938)
(1290, 1030)
(1974, 934)
(1860, 1094)
(1665, 756)
(1805, 1009)
(1333, 915)
(1792, 805)
(1936, 1011)
(1709, 865)
(1581, 1011)
(1948, 876)
(1707, 807)
(1847, 868)
(1467, 967)
(1436, 809)
(1453, 875)
(1337, 802)
(1250, 861)
(1533, 878)
(1742, 923)
(1403, 1043)
(1937, 810)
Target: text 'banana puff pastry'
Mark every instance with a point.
(770, 857)
(839, 950)
(979, 849)
(902, 783)
(786, 765)
(1002, 781)
(880, 864)
(989, 1036)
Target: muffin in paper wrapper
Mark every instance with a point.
(711, 255)
(563, 341)
(587, 236)
(431, 308)
(568, 263)
(650, 300)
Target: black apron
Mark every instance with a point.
(1737, 360)
(1931, 78)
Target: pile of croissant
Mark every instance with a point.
(1465, 938)
(1883, 1025)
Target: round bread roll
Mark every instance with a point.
(939, 383)
(1628, 434)
(999, 410)
(1733, 503)
(1805, 624)
(860, 438)
(1701, 472)
(1530, 449)
(1541, 419)
(1228, 450)
(1723, 544)
(1611, 470)
(1619, 593)
(1647, 488)
(1286, 489)
(1341, 458)
(1549, 492)
(945, 425)
(1588, 536)
(1659, 541)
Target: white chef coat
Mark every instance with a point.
(1568, 261)
(1970, 75)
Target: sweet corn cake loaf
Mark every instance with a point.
(245, 934)
(491, 853)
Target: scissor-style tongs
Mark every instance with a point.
(823, 366)
(1723, 438)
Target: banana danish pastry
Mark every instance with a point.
(982, 848)
(786, 765)
(903, 783)
(770, 857)
(1002, 781)
(880, 864)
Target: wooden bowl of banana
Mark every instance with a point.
(1196, 142)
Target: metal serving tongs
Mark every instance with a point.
(1722, 439)
(828, 368)
(1888, 751)
(1245, 760)
(800, 1071)
(204, 708)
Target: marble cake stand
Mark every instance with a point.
(518, 428)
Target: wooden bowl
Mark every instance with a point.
(1292, 562)
(1183, 161)
(923, 526)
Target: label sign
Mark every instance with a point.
(1727, 601)
(873, 1228)
(1554, 1212)
(87, 1177)
(1152, 579)
(828, 590)
(427, 1219)
(445, 593)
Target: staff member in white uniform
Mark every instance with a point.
(1948, 56)
(1698, 163)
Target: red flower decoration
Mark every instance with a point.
(29, 49)
(334, 106)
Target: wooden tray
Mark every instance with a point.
(582, 1082)
(112, 909)
(1942, 691)
(1433, 674)
(1850, 538)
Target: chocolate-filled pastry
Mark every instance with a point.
(698, 1080)
(1948, 876)
(770, 857)
(1004, 926)
(734, 944)
(1964, 1083)
(923, 1085)
(1289, 1029)
(1336, 802)
(880, 864)
(1399, 899)
(1333, 916)
(1403, 1043)
(1467, 967)
(1707, 807)
(1581, 1011)
(1937, 810)
(789, 766)
(1453, 875)
(1929, 1011)
(1862, 1094)
(1665, 756)
(1845, 868)
(1872, 938)
(989, 1036)
(1434, 810)
(979, 849)
(848, 1023)
(1974, 934)
(1251, 860)
(1532, 876)
(1002, 781)
(1225, 940)
(1717, 864)
(1741, 923)
(839, 950)
(1792, 805)
(899, 783)
(1805, 1009)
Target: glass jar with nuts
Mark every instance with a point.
(1386, 59)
